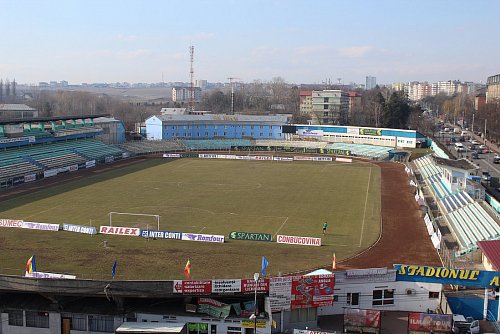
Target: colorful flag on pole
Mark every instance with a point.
(187, 270)
(334, 262)
(31, 265)
(113, 270)
(264, 266)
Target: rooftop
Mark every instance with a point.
(491, 249)
(15, 107)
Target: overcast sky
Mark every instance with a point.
(300, 41)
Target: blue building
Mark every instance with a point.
(210, 126)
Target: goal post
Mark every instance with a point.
(152, 218)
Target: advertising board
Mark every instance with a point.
(39, 274)
(250, 323)
(280, 293)
(213, 307)
(109, 159)
(248, 285)
(171, 155)
(117, 230)
(202, 237)
(226, 285)
(73, 168)
(161, 234)
(50, 173)
(40, 226)
(90, 164)
(429, 323)
(370, 132)
(193, 287)
(11, 223)
(294, 240)
(79, 229)
(312, 291)
(310, 133)
(251, 236)
(29, 178)
(283, 158)
(362, 321)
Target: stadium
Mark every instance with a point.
(122, 218)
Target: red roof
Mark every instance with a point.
(491, 249)
(305, 93)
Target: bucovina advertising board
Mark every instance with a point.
(442, 275)
(294, 240)
(429, 323)
(251, 236)
(370, 132)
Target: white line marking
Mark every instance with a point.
(36, 213)
(275, 234)
(204, 227)
(364, 213)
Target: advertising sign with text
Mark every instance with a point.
(11, 223)
(429, 323)
(117, 230)
(90, 164)
(248, 285)
(251, 236)
(280, 293)
(41, 226)
(79, 229)
(29, 178)
(312, 291)
(202, 237)
(294, 240)
(226, 285)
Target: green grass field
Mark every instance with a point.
(201, 196)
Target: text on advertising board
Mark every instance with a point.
(467, 277)
(312, 291)
(294, 240)
(79, 229)
(202, 237)
(41, 226)
(161, 234)
(251, 236)
(11, 223)
(429, 322)
(120, 230)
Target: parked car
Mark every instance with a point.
(496, 159)
(475, 155)
(467, 325)
(486, 176)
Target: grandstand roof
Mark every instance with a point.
(15, 107)
(491, 249)
(460, 164)
(222, 117)
(47, 119)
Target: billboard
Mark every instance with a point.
(79, 229)
(442, 275)
(193, 287)
(90, 164)
(251, 236)
(312, 291)
(280, 293)
(117, 230)
(202, 237)
(429, 323)
(370, 132)
(171, 155)
(39, 274)
(357, 320)
(310, 133)
(196, 287)
(294, 240)
(161, 234)
(213, 307)
(11, 223)
(41, 226)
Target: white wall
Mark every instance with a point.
(54, 326)
(154, 128)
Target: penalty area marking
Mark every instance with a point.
(364, 212)
(204, 227)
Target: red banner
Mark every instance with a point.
(429, 322)
(248, 285)
(356, 318)
(312, 291)
(196, 287)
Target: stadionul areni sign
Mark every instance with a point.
(442, 275)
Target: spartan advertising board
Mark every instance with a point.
(263, 157)
(312, 291)
(251, 236)
(161, 234)
(11, 223)
(79, 229)
(90, 164)
(117, 230)
(202, 237)
(294, 240)
(193, 287)
(41, 226)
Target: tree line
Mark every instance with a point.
(7, 91)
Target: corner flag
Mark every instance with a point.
(334, 262)
(264, 266)
(113, 270)
(187, 270)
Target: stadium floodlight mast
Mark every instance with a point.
(133, 214)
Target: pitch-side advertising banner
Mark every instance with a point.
(117, 230)
(50, 173)
(202, 237)
(294, 240)
(79, 229)
(171, 155)
(90, 164)
(467, 277)
(161, 234)
(429, 323)
(39, 274)
(11, 223)
(251, 236)
(29, 178)
(312, 291)
(283, 158)
(310, 133)
(41, 226)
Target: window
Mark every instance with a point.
(206, 134)
(233, 330)
(37, 319)
(433, 294)
(383, 297)
(101, 323)
(225, 133)
(79, 322)
(197, 328)
(270, 134)
(15, 317)
(251, 127)
(325, 113)
(325, 100)
(352, 298)
(261, 135)
(303, 315)
(325, 106)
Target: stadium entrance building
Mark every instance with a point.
(356, 135)
(168, 127)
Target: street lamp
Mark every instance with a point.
(254, 315)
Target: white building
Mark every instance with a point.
(371, 82)
(330, 107)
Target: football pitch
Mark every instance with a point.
(198, 196)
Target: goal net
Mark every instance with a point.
(138, 220)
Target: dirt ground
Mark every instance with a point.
(404, 237)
